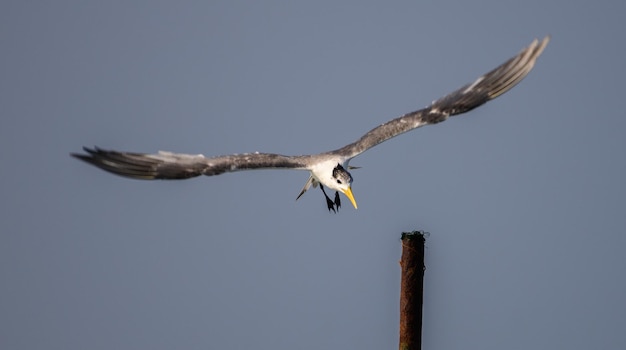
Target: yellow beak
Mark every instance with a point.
(348, 193)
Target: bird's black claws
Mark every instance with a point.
(331, 205)
(337, 200)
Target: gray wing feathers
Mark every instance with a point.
(167, 165)
(470, 96)
(493, 84)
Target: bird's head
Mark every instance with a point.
(341, 181)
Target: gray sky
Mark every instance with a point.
(524, 197)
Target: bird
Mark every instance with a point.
(327, 169)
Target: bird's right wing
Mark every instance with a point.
(485, 88)
(167, 165)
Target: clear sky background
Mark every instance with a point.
(524, 198)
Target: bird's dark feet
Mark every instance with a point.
(329, 203)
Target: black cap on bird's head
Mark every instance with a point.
(341, 175)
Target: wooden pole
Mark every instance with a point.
(411, 290)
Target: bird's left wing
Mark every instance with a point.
(167, 165)
(470, 96)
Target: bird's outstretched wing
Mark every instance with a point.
(470, 96)
(167, 165)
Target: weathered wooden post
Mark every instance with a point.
(412, 290)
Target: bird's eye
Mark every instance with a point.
(339, 182)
